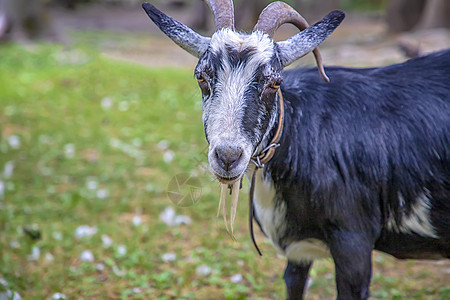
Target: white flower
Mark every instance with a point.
(236, 278)
(106, 240)
(163, 145)
(16, 296)
(14, 245)
(14, 141)
(203, 270)
(92, 184)
(167, 216)
(49, 257)
(102, 194)
(168, 156)
(57, 236)
(8, 169)
(85, 231)
(166, 257)
(117, 271)
(57, 296)
(87, 255)
(121, 250)
(100, 266)
(8, 294)
(107, 103)
(69, 150)
(35, 253)
(182, 219)
(2, 189)
(137, 220)
(3, 282)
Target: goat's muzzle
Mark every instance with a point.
(228, 162)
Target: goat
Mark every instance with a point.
(363, 162)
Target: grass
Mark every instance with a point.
(87, 140)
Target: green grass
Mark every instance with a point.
(91, 141)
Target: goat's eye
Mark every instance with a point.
(203, 84)
(200, 78)
(276, 84)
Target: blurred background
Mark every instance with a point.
(104, 185)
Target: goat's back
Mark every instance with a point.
(379, 134)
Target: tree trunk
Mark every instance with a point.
(314, 10)
(201, 16)
(247, 13)
(26, 19)
(435, 15)
(403, 15)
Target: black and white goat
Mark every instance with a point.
(363, 162)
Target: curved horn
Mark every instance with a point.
(307, 40)
(182, 35)
(279, 13)
(223, 11)
(276, 14)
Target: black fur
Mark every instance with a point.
(351, 148)
(357, 155)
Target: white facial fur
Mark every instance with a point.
(223, 109)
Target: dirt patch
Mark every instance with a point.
(360, 41)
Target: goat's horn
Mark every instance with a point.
(307, 40)
(182, 35)
(279, 13)
(276, 14)
(223, 11)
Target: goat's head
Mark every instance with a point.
(239, 75)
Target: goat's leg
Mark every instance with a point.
(295, 277)
(352, 254)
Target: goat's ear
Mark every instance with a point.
(307, 40)
(182, 35)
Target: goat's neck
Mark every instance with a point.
(282, 162)
(270, 132)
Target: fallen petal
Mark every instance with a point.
(85, 231)
(87, 256)
(137, 220)
(14, 141)
(167, 216)
(121, 250)
(236, 278)
(57, 296)
(35, 253)
(181, 219)
(106, 240)
(166, 257)
(203, 270)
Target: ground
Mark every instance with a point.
(97, 135)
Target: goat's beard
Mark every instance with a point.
(234, 188)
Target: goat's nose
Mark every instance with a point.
(228, 156)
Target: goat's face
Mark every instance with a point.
(239, 76)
